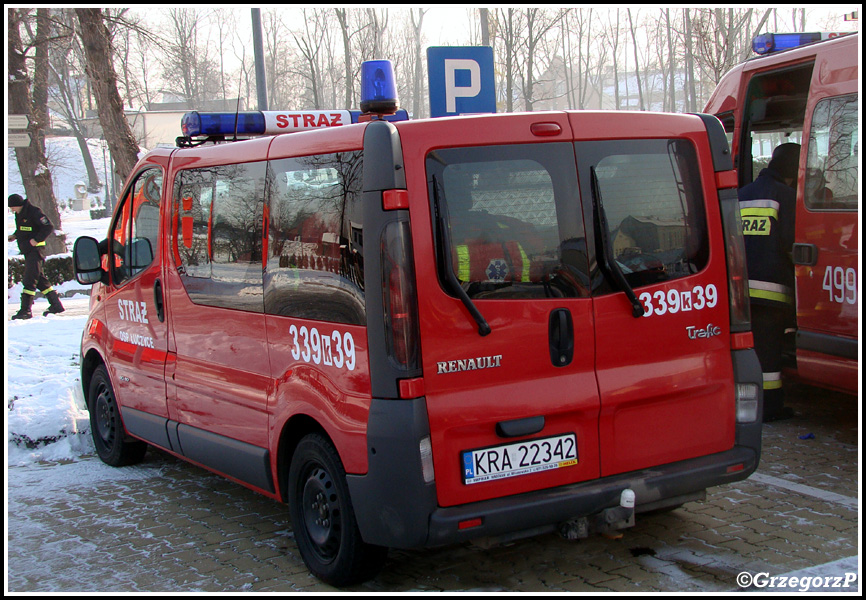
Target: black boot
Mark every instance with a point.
(26, 303)
(54, 305)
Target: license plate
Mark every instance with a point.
(519, 458)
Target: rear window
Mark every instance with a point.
(651, 193)
(518, 228)
(513, 219)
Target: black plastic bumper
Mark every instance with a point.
(396, 508)
(549, 507)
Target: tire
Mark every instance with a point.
(323, 519)
(106, 426)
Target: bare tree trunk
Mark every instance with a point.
(671, 62)
(40, 73)
(508, 39)
(691, 95)
(38, 184)
(100, 70)
(66, 102)
(636, 62)
(567, 61)
(585, 84)
(615, 61)
(417, 79)
(529, 82)
(309, 45)
(343, 18)
(67, 92)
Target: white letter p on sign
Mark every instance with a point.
(452, 90)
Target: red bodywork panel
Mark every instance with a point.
(826, 301)
(638, 393)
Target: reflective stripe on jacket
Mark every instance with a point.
(31, 224)
(492, 262)
(767, 208)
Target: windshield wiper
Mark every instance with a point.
(607, 260)
(442, 220)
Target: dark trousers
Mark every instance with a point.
(768, 328)
(34, 279)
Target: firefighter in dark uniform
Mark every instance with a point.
(32, 228)
(767, 207)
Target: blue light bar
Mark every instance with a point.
(196, 124)
(776, 42)
(378, 87)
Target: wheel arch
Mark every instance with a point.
(91, 361)
(294, 430)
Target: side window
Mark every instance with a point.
(192, 217)
(831, 168)
(654, 206)
(135, 234)
(315, 265)
(513, 220)
(217, 239)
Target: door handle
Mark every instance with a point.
(157, 299)
(561, 337)
(520, 427)
(805, 254)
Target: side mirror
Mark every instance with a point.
(86, 261)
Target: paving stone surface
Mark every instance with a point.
(166, 526)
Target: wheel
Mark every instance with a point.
(323, 519)
(106, 428)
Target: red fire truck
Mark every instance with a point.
(803, 88)
(417, 333)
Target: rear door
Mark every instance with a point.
(665, 378)
(516, 409)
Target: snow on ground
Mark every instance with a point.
(45, 416)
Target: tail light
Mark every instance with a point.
(426, 450)
(735, 251)
(748, 399)
(400, 301)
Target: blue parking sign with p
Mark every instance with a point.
(461, 80)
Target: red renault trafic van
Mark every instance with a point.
(415, 333)
(803, 88)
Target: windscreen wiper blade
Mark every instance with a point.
(607, 260)
(442, 220)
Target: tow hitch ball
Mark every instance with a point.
(608, 520)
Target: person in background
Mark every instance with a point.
(767, 208)
(32, 228)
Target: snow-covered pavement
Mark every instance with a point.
(46, 417)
